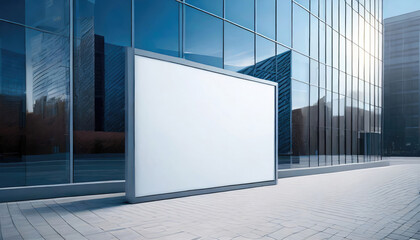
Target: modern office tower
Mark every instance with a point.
(63, 66)
(401, 85)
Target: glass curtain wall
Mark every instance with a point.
(34, 92)
(102, 30)
(325, 55)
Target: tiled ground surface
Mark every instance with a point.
(379, 203)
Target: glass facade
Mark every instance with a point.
(62, 81)
(402, 85)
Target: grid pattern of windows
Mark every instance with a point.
(62, 81)
(330, 75)
(401, 85)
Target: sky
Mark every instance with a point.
(394, 8)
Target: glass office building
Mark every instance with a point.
(62, 71)
(402, 85)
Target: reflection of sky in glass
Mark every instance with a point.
(300, 67)
(266, 11)
(156, 26)
(241, 12)
(213, 6)
(203, 38)
(300, 29)
(239, 48)
(112, 19)
(44, 14)
(300, 95)
(394, 8)
(284, 19)
(265, 49)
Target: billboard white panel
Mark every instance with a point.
(198, 129)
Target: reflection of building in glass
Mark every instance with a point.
(402, 85)
(99, 106)
(277, 69)
(327, 60)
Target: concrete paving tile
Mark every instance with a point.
(369, 203)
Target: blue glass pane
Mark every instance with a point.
(49, 15)
(266, 18)
(283, 61)
(314, 7)
(239, 50)
(304, 3)
(284, 22)
(34, 104)
(156, 26)
(44, 14)
(240, 12)
(265, 67)
(314, 37)
(300, 67)
(102, 30)
(300, 124)
(13, 10)
(203, 38)
(300, 29)
(213, 6)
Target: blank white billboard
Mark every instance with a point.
(198, 129)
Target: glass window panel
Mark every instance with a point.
(102, 31)
(300, 67)
(34, 102)
(335, 51)
(342, 83)
(239, 49)
(328, 11)
(355, 36)
(284, 21)
(328, 46)
(322, 75)
(322, 42)
(328, 110)
(163, 35)
(314, 72)
(342, 17)
(355, 88)
(321, 131)
(328, 78)
(349, 59)
(266, 18)
(342, 53)
(47, 15)
(240, 12)
(328, 146)
(313, 105)
(355, 69)
(335, 146)
(203, 38)
(335, 80)
(335, 111)
(300, 124)
(283, 60)
(314, 7)
(213, 6)
(265, 67)
(304, 3)
(314, 37)
(335, 13)
(342, 149)
(300, 30)
(322, 9)
(349, 21)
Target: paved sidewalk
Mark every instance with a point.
(378, 203)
